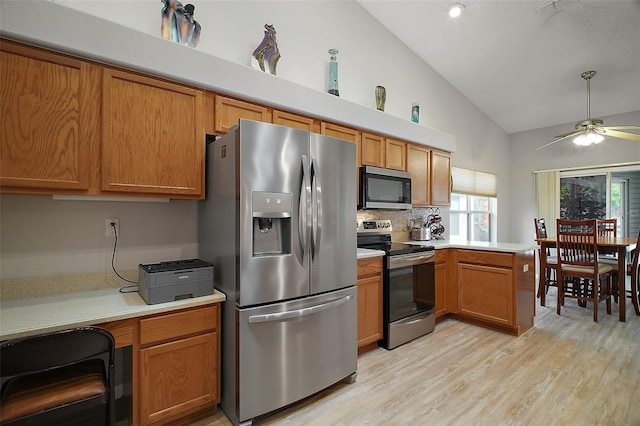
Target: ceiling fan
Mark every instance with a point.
(591, 130)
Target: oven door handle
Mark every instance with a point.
(410, 259)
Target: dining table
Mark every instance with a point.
(606, 244)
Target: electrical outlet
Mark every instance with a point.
(108, 229)
(525, 267)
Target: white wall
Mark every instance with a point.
(369, 56)
(525, 159)
(42, 236)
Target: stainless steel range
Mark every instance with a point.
(408, 283)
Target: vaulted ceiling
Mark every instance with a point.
(520, 61)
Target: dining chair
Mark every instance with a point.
(609, 228)
(634, 271)
(580, 275)
(550, 274)
(64, 377)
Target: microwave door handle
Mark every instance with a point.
(304, 208)
(317, 205)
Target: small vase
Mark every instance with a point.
(333, 73)
(415, 113)
(381, 97)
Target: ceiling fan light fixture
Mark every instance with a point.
(588, 138)
(455, 10)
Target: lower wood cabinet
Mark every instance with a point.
(486, 293)
(496, 289)
(369, 303)
(178, 378)
(173, 374)
(442, 282)
(179, 361)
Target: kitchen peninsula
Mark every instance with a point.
(487, 284)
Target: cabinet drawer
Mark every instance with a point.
(370, 266)
(442, 256)
(175, 325)
(504, 260)
(122, 331)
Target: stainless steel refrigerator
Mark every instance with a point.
(279, 224)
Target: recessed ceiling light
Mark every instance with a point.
(455, 10)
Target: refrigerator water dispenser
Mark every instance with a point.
(271, 213)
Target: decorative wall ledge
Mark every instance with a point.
(67, 30)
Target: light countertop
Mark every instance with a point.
(368, 253)
(475, 245)
(35, 315)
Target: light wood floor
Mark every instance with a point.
(567, 370)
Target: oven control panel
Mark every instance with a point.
(379, 226)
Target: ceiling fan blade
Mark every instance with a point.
(571, 133)
(623, 127)
(561, 138)
(622, 135)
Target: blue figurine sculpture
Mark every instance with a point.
(267, 52)
(178, 23)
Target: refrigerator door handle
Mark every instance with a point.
(304, 209)
(286, 315)
(317, 205)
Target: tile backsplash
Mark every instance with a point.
(401, 219)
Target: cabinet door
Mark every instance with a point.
(347, 134)
(396, 154)
(153, 136)
(228, 111)
(442, 279)
(418, 164)
(369, 310)
(50, 119)
(440, 178)
(296, 121)
(372, 150)
(486, 293)
(178, 378)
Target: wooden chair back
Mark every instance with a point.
(577, 247)
(541, 230)
(541, 227)
(607, 227)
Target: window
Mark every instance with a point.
(583, 197)
(471, 217)
(473, 205)
(602, 192)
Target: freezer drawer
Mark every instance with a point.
(288, 351)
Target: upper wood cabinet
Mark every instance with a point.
(153, 135)
(50, 119)
(296, 121)
(372, 150)
(419, 164)
(396, 154)
(340, 132)
(228, 111)
(440, 178)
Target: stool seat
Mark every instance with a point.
(59, 378)
(33, 393)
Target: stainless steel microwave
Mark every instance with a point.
(384, 189)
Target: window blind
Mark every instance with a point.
(473, 182)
